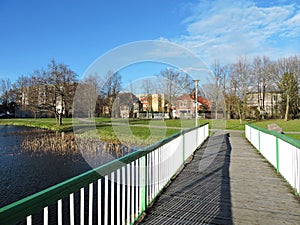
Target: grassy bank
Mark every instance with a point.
(137, 132)
(45, 123)
(116, 131)
(143, 131)
(50, 123)
(287, 126)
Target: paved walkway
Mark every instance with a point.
(231, 184)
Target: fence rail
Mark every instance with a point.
(115, 193)
(281, 151)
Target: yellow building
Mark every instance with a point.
(153, 102)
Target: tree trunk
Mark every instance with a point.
(240, 115)
(216, 113)
(286, 117)
(58, 119)
(228, 109)
(170, 112)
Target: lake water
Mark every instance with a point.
(22, 174)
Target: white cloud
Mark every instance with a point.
(227, 29)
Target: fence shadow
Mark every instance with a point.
(199, 195)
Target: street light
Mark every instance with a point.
(196, 98)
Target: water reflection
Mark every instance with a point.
(23, 174)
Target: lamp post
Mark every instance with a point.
(196, 99)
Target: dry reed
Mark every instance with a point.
(41, 142)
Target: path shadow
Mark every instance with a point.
(198, 196)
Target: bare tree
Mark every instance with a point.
(225, 87)
(51, 90)
(261, 76)
(5, 88)
(148, 88)
(110, 88)
(173, 84)
(30, 96)
(241, 83)
(21, 86)
(93, 99)
(97, 93)
(63, 80)
(92, 85)
(216, 87)
(85, 102)
(264, 79)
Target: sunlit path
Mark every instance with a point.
(239, 187)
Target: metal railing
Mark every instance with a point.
(281, 151)
(115, 193)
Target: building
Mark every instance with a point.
(267, 105)
(146, 101)
(185, 105)
(158, 102)
(126, 105)
(45, 100)
(153, 102)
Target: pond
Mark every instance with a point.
(23, 174)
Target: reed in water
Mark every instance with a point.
(38, 142)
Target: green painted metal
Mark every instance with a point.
(283, 137)
(277, 155)
(183, 143)
(144, 181)
(15, 212)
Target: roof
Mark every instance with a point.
(127, 98)
(184, 97)
(201, 100)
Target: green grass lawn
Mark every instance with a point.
(50, 123)
(106, 130)
(47, 123)
(287, 126)
(147, 130)
(291, 125)
(189, 123)
(295, 136)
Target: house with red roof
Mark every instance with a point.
(185, 105)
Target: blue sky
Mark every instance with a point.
(78, 32)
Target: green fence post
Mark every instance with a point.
(277, 156)
(182, 148)
(144, 181)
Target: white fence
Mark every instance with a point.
(115, 193)
(281, 151)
